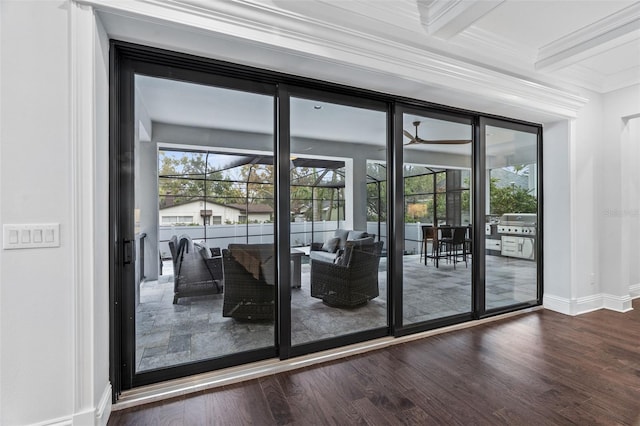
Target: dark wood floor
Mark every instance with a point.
(539, 368)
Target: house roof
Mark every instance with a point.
(252, 208)
(173, 201)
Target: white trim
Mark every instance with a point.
(500, 48)
(557, 304)
(446, 18)
(621, 79)
(583, 305)
(605, 34)
(634, 291)
(103, 411)
(573, 203)
(311, 39)
(60, 421)
(573, 307)
(617, 303)
(82, 141)
(187, 385)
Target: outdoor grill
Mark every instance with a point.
(517, 224)
(517, 235)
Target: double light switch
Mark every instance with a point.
(31, 236)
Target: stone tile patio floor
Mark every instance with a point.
(194, 329)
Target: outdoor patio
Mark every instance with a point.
(194, 329)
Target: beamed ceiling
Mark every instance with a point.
(522, 59)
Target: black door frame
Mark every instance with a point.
(483, 121)
(126, 59)
(398, 188)
(126, 63)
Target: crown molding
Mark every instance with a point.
(291, 33)
(626, 78)
(496, 46)
(446, 18)
(582, 76)
(389, 12)
(614, 30)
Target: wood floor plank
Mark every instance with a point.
(276, 400)
(540, 368)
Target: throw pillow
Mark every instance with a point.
(331, 245)
(345, 257)
(342, 234)
(356, 235)
(361, 242)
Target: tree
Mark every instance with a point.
(186, 175)
(511, 199)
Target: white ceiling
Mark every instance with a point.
(530, 45)
(594, 43)
(187, 104)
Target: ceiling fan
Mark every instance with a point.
(415, 139)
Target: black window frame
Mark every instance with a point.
(128, 58)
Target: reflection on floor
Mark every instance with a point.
(194, 329)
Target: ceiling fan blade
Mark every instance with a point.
(409, 135)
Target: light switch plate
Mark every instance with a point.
(37, 235)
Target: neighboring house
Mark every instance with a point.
(201, 212)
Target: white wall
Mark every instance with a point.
(631, 200)
(37, 291)
(146, 177)
(100, 395)
(54, 168)
(617, 204)
(557, 214)
(592, 206)
(54, 353)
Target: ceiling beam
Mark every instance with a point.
(613, 31)
(446, 18)
(258, 34)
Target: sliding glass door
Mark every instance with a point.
(338, 235)
(437, 206)
(258, 216)
(200, 163)
(512, 220)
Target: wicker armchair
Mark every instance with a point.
(350, 282)
(195, 272)
(249, 292)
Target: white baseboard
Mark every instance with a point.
(617, 303)
(85, 418)
(98, 416)
(582, 305)
(557, 304)
(103, 410)
(91, 417)
(573, 306)
(61, 421)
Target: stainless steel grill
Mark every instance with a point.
(517, 224)
(518, 232)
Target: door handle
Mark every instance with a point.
(128, 252)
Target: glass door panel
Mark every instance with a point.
(436, 251)
(338, 220)
(511, 214)
(204, 212)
